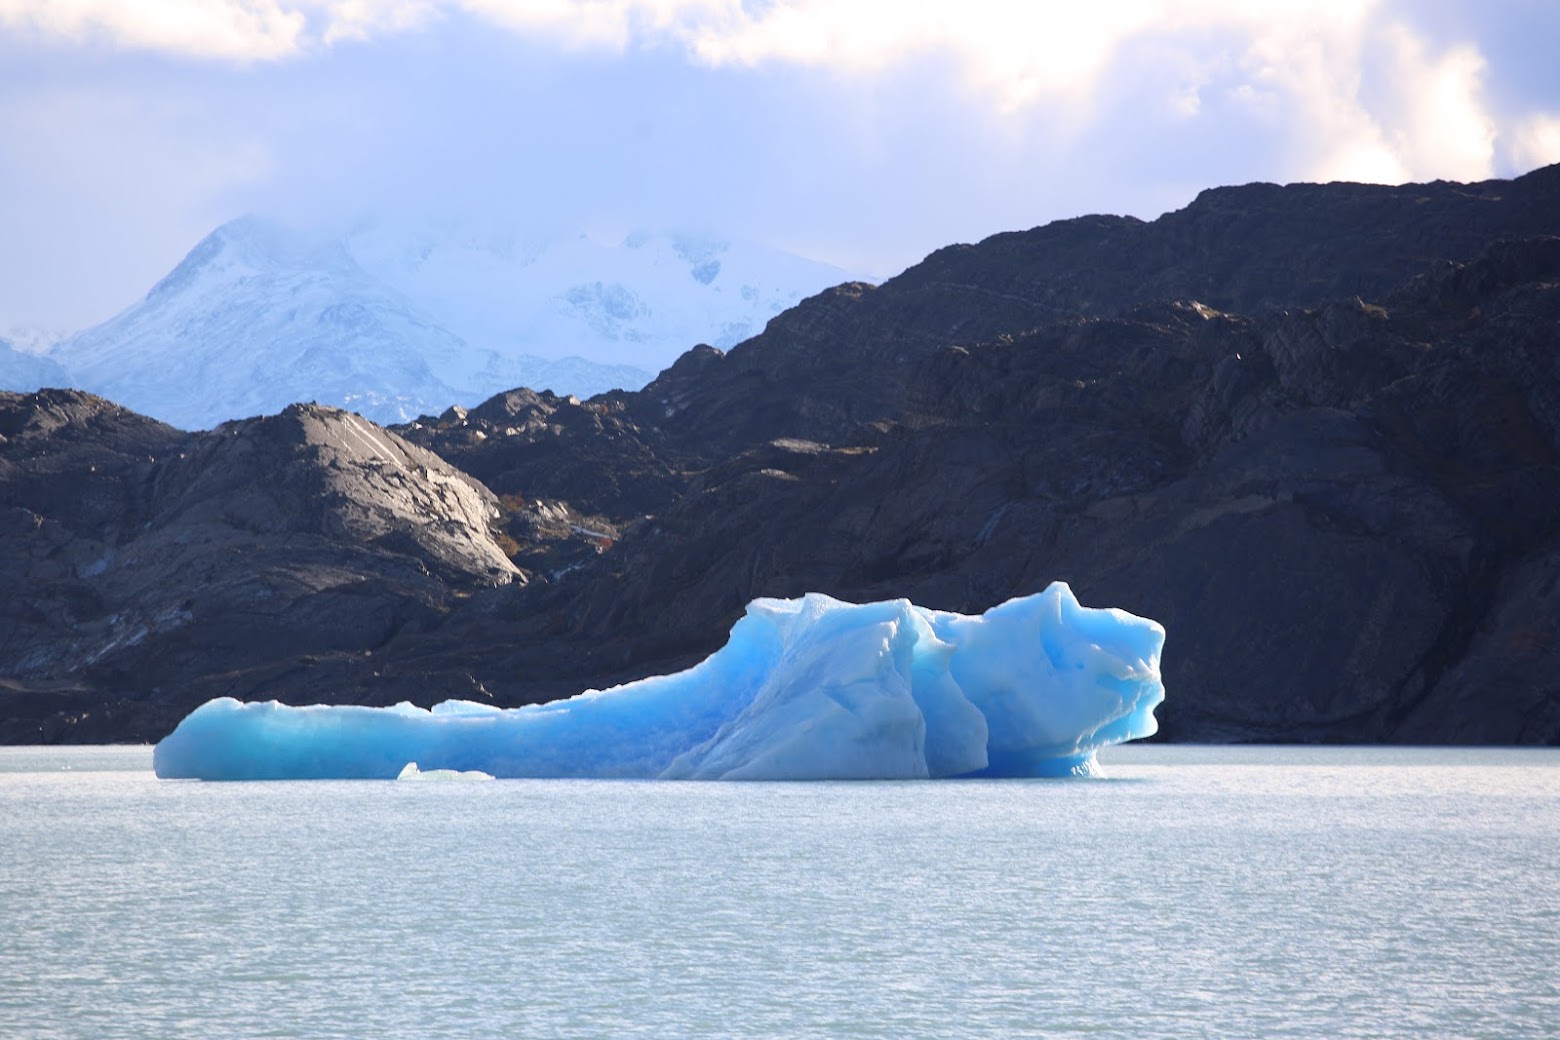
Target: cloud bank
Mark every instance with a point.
(862, 132)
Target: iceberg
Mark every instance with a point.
(411, 773)
(804, 689)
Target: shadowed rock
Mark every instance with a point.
(161, 566)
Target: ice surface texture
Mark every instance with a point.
(805, 689)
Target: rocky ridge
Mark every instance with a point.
(154, 563)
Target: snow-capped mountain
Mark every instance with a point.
(255, 318)
(393, 321)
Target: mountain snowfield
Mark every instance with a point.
(641, 302)
(395, 321)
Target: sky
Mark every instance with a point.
(865, 133)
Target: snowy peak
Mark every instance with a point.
(250, 248)
(226, 253)
(255, 318)
(395, 320)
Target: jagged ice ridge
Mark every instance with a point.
(805, 689)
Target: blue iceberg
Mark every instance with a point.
(805, 689)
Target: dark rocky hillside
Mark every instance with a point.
(845, 356)
(1315, 430)
(148, 569)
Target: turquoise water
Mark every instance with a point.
(1253, 892)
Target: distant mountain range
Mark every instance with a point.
(395, 321)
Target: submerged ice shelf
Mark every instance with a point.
(805, 689)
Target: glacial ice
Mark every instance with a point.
(804, 689)
(411, 773)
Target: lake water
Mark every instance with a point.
(1195, 892)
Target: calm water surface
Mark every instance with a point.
(1197, 892)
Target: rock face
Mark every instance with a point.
(1241, 250)
(160, 566)
(1314, 430)
(1345, 517)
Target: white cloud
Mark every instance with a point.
(1440, 127)
(364, 19)
(243, 30)
(1535, 142)
(1370, 100)
(1358, 93)
(1023, 51)
(870, 132)
(1020, 52)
